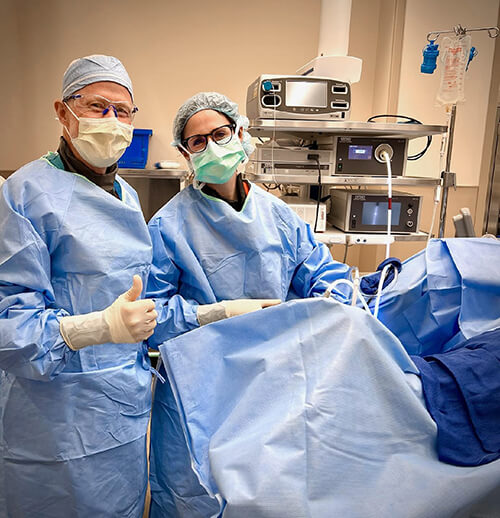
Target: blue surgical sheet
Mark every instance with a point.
(445, 294)
(308, 409)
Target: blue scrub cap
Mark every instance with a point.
(211, 101)
(92, 69)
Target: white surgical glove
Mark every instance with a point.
(127, 320)
(208, 313)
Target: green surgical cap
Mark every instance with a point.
(210, 101)
(92, 69)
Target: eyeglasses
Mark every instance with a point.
(198, 143)
(98, 106)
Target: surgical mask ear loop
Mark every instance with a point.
(237, 135)
(196, 183)
(74, 115)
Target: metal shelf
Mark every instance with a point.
(311, 130)
(334, 236)
(306, 128)
(163, 174)
(341, 180)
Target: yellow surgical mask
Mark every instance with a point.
(101, 141)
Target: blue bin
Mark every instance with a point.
(136, 155)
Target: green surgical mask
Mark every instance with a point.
(218, 162)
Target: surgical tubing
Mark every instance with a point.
(387, 159)
(349, 283)
(381, 286)
(358, 294)
(356, 281)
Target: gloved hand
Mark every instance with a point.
(369, 283)
(208, 313)
(127, 320)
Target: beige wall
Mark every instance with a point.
(418, 91)
(11, 95)
(487, 158)
(363, 44)
(172, 49)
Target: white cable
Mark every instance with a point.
(358, 294)
(349, 283)
(356, 281)
(388, 287)
(273, 140)
(442, 149)
(437, 199)
(380, 288)
(387, 159)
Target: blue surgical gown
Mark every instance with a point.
(72, 424)
(204, 252)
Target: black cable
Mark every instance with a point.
(319, 196)
(345, 252)
(409, 120)
(315, 157)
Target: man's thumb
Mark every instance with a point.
(135, 291)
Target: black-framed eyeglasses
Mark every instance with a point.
(221, 135)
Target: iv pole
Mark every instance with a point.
(448, 179)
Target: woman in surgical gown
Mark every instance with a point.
(221, 247)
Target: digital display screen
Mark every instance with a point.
(306, 94)
(360, 152)
(375, 213)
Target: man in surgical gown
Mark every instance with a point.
(221, 247)
(75, 379)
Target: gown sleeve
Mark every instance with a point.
(176, 315)
(30, 343)
(316, 268)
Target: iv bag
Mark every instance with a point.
(454, 56)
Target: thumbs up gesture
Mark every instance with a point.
(131, 320)
(127, 320)
(135, 291)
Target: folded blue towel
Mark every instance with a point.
(462, 394)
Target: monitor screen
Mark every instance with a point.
(306, 93)
(375, 213)
(360, 152)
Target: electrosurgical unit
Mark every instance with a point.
(298, 97)
(366, 211)
(361, 155)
